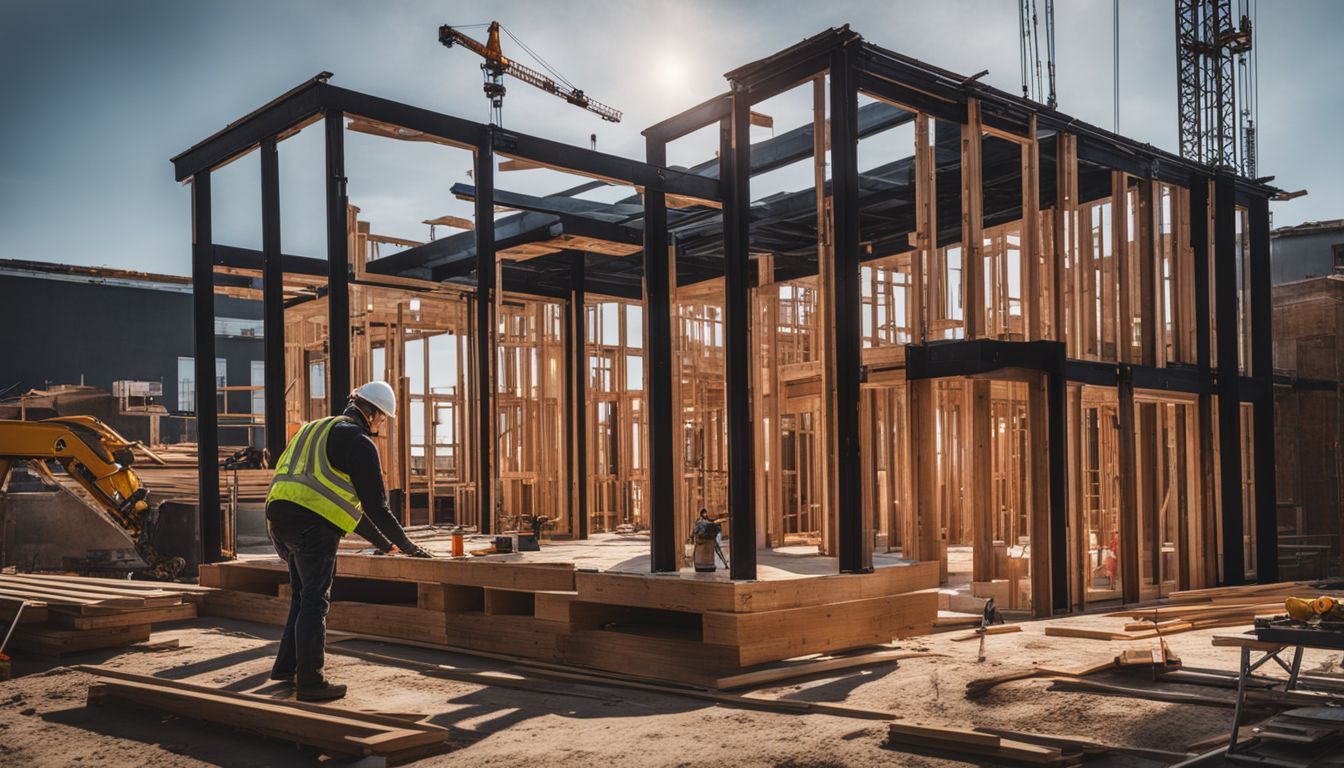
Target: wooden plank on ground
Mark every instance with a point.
(792, 670)
(966, 741)
(337, 731)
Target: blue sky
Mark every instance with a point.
(98, 95)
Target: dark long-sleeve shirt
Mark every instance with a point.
(350, 449)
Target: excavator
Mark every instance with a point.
(99, 460)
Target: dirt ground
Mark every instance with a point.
(44, 720)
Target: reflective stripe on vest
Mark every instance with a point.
(305, 477)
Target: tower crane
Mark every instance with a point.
(1217, 101)
(497, 65)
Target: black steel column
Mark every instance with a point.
(338, 268)
(664, 549)
(1229, 400)
(273, 301)
(577, 359)
(735, 177)
(484, 176)
(846, 307)
(1199, 243)
(1056, 403)
(207, 414)
(1262, 368)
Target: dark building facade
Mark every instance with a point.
(64, 324)
(1307, 250)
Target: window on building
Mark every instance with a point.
(1339, 256)
(186, 381)
(258, 380)
(238, 326)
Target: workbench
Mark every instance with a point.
(1271, 650)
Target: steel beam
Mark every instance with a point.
(853, 545)
(1057, 420)
(281, 114)
(246, 258)
(565, 157)
(1199, 243)
(664, 549)
(577, 392)
(273, 301)
(484, 174)
(338, 266)
(1229, 398)
(207, 414)
(1262, 369)
(735, 173)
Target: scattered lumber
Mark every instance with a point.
(1151, 694)
(996, 629)
(75, 614)
(334, 731)
(964, 741)
(793, 670)
(1085, 746)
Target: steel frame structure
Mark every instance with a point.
(720, 207)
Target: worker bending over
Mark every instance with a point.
(328, 482)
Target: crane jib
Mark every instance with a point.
(497, 63)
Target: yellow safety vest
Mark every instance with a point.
(305, 477)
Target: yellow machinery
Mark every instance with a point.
(99, 460)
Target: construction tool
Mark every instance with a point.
(990, 617)
(4, 660)
(706, 538)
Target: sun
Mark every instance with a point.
(672, 70)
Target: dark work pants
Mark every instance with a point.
(310, 550)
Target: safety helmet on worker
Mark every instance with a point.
(379, 394)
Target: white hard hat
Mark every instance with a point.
(379, 394)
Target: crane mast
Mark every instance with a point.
(1208, 40)
(497, 65)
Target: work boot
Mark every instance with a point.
(321, 691)
(282, 677)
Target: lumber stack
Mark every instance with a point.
(662, 627)
(339, 732)
(1195, 609)
(71, 614)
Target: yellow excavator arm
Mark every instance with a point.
(99, 460)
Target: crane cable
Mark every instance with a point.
(536, 57)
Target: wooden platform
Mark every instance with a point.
(665, 627)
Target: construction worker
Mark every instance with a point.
(328, 482)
